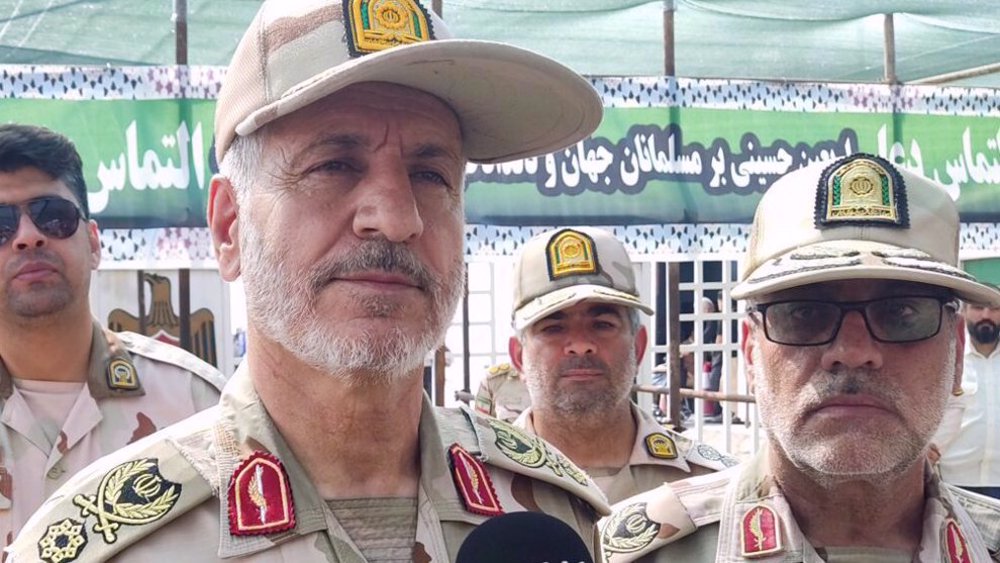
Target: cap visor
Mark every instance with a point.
(511, 103)
(854, 260)
(549, 303)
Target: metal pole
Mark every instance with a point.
(437, 7)
(669, 68)
(889, 30)
(180, 32)
(959, 75)
(673, 341)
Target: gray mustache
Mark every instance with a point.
(380, 255)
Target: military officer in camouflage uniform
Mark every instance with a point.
(343, 130)
(578, 342)
(853, 345)
(70, 390)
(502, 393)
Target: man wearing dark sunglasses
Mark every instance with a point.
(70, 391)
(853, 344)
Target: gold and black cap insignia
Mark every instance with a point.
(571, 253)
(377, 25)
(122, 375)
(861, 189)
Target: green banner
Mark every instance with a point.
(148, 163)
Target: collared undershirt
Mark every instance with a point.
(384, 529)
(50, 403)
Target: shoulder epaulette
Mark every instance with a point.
(510, 448)
(111, 504)
(162, 352)
(700, 453)
(981, 509)
(501, 369)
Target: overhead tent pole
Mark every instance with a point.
(180, 32)
(668, 38)
(959, 75)
(889, 31)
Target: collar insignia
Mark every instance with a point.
(956, 549)
(661, 446)
(571, 253)
(760, 532)
(473, 483)
(131, 494)
(260, 499)
(861, 189)
(377, 25)
(62, 541)
(122, 376)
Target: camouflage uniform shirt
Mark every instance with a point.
(135, 385)
(182, 512)
(502, 393)
(658, 456)
(741, 514)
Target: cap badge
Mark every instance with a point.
(571, 253)
(473, 483)
(760, 532)
(661, 446)
(260, 499)
(861, 189)
(376, 25)
(122, 376)
(954, 541)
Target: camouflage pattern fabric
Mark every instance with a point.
(502, 393)
(195, 460)
(135, 386)
(715, 518)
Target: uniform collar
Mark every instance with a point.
(110, 372)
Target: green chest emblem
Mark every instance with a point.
(531, 452)
(133, 493)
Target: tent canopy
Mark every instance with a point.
(840, 41)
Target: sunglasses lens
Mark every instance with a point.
(9, 217)
(55, 217)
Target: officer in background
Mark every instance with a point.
(969, 436)
(578, 343)
(343, 130)
(70, 390)
(853, 344)
(502, 393)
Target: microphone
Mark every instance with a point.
(523, 537)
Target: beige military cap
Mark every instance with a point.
(860, 217)
(510, 102)
(558, 269)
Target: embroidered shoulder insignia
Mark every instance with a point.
(531, 452)
(760, 532)
(62, 541)
(122, 376)
(473, 483)
(133, 494)
(376, 25)
(628, 530)
(260, 498)
(861, 189)
(956, 549)
(571, 253)
(661, 446)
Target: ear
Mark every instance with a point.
(223, 222)
(641, 339)
(747, 346)
(956, 387)
(94, 239)
(515, 350)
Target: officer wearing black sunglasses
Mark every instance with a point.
(853, 344)
(70, 390)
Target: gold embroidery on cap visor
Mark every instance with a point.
(863, 189)
(571, 253)
(377, 25)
